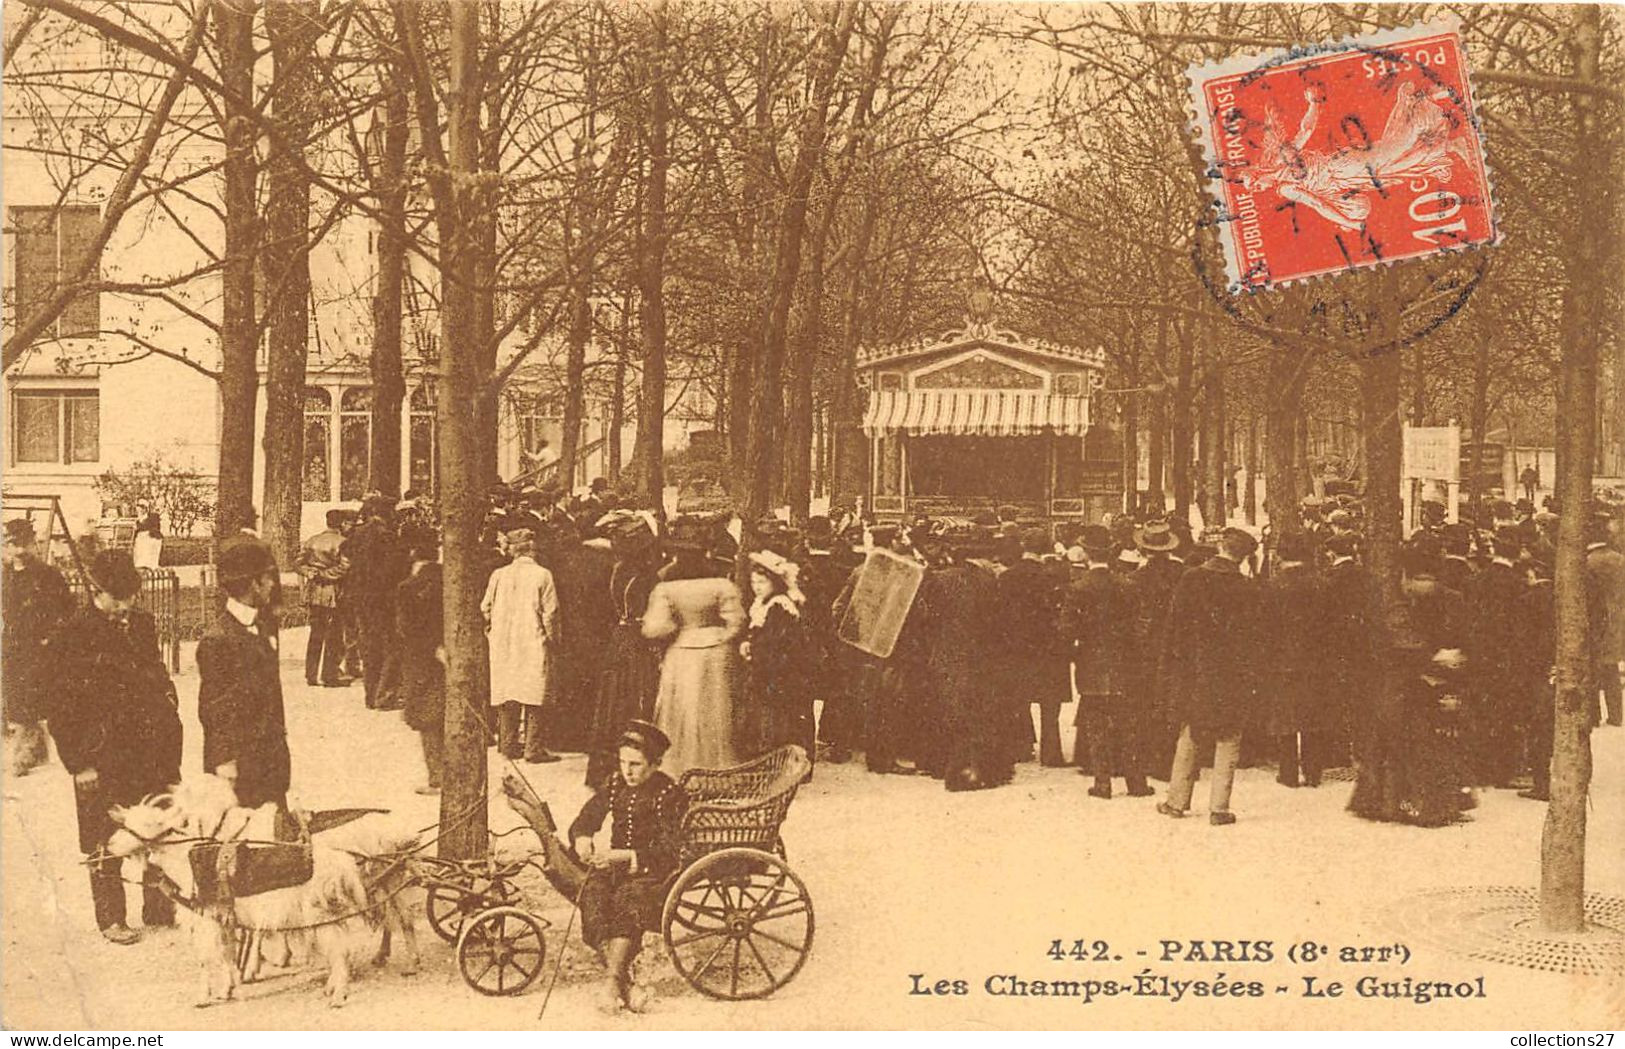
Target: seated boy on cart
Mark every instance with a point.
(620, 890)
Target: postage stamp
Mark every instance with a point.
(1342, 156)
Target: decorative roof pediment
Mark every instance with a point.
(978, 370)
(980, 334)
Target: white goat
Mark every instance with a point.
(320, 913)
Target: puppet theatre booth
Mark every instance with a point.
(982, 418)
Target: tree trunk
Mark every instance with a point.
(459, 198)
(1380, 377)
(581, 239)
(652, 273)
(488, 158)
(1288, 375)
(1129, 434)
(239, 334)
(293, 27)
(766, 391)
(617, 397)
(1480, 423)
(851, 446)
(1562, 841)
(1250, 489)
(1182, 412)
(1217, 511)
(798, 429)
(388, 382)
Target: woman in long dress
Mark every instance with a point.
(631, 674)
(700, 615)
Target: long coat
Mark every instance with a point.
(955, 605)
(323, 568)
(1296, 622)
(418, 617)
(1350, 645)
(1031, 657)
(239, 702)
(34, 600)
(114, 707)
(1151, 591)
(1210, 649)
(1098, 615)
(587, 616)
(521, 611)
(1605, 588)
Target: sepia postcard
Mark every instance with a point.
(758, 516)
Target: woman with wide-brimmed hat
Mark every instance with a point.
(776, 708)
(631, 667)
(698, 613)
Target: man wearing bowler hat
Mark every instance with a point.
(1151, 589)
(1099, 617)
(1208, 671)
(35, 600)
(245, 736)
(113, 716)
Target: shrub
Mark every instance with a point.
(182, 497)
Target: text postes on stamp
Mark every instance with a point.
(1342, 156)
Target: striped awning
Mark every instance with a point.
(985, 413)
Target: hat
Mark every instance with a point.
(115, 573)
(688, 534)
(646, 737)
(1007, 549)
(781, 568)
(884, 534)
(1129, 556)
(599, 484)
(521, 534)
(1509, 540)
(19, 530)
(244, 557)
(1239, 541)
(1075, 555)
(818, 530)
(1340, 519)
(1156, 537)
(1096, 539)
(1037, 541)
(1295, 546)
(1341, 545)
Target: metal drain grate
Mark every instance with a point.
(1500, 924)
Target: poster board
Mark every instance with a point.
(881, 598)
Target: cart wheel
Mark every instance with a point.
(449, 906)
(501, 951)
(738, 924)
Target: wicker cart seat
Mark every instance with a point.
(743, 805)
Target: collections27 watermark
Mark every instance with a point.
(1168, 972)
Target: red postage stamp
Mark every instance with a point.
(1341, 156)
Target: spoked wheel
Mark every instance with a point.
(738, 924)
(501, 951)
(449, 906)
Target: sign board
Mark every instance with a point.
(1433, 453)
(882, 595)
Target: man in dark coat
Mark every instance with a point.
(965, 737)
(1208, 665)
(1030, 653)
(1495, 719)
(1098, 616)
(1293, 680)
(419, 614)
(1605, 590)
(1348, 648)
(893, 688)
(116, 728)
(377, 565)
(581, 574)
(822, 576)
(34, 600)
(1536, 616)
(245, 736)
(1151, 592)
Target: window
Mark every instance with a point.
(355, 442)
(51, 242)
(56, 426)
(425, 449)
(318, 482)
(542, 420)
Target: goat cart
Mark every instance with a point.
(737, 921)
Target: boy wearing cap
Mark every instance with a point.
(116, 728)
(239, 699)
(35, 601)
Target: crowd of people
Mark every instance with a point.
(730, 639)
